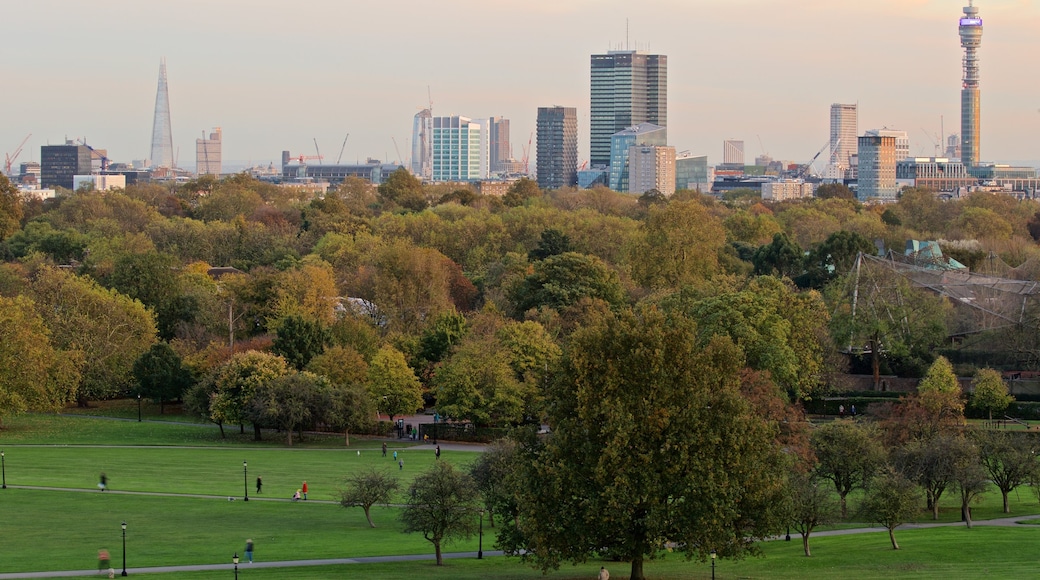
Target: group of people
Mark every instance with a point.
(841, 411)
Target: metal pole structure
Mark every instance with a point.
(124, 549)
(3, 469)
(235, 560)
(787, 538)
(245, 479)
(480, 544)
(713, 565)
(138, 407)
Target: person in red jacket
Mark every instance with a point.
(304, 488)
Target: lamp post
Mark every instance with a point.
(124, 549)
(480, 536)
(3, 469)
(245, 479)
(138, 407)
(787, 538)
(713, 565)
(235, 560)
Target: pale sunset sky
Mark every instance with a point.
(276, 75)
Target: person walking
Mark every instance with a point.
(437, 452)
(249, 550)
(384, 448)
(103, 482)
(103, 561)
(603, 574)
(304, 488)
(259, 484)
(400, 464)
(395, 455)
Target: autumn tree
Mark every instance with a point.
(520, 191)
(366, 488)
(891, 500)
(394, 386)
(10, 209)
(402, 189)
(989, 392)
(236, 381)
(442, 505)
(811, 505)
(342, 365)
(651, 441)
(680, 246)
(848, 455)
(477, 384)
(971, 480)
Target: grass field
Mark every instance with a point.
(62, 529)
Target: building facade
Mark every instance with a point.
(785, 189)
(60, 163)
(620, 144)
(628, 88)
(651, 167)
(556, 158)
(844, 135)
(459, 149)
(901, 137)
(207, 154)
(692, 172)
(422, 145)
(877, 168)
(499, 150)
(733, 152)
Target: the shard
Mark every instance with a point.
(162, 134)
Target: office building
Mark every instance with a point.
(207, 154)
(60, 163)
(499, 151)
(628, 88)
(901, 137)
(786, 189)
(557, 147)
(459, 150)
(98, 182)
(877, 168)
(970, 30)
(692, 172)
(651, 167)
(162, 133)
(622, 141)
(844, 135)
(733, 152)
(422, 145)
(372, 170)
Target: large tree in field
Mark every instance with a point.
(161, 375)
(1009, 459)
(652, 447)
(443, 505)
(891, 500)
(393, 384)
(848, 455)
(10, 209)
(811, 504)
(236, 381)
(989, 392)
(366, 488)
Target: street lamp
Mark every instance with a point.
(245, 479)
(713, 565)
(3, 469)
(235, 560)
(138, 407)
(124, 549)
(480, 544)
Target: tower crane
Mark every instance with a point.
(527, 154)
(316, 150)
(10, 158)
(98, 154)
(302, 158)
(805, 170)
(340, 158)
(400, 160)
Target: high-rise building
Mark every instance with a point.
(556, 158)
(162, 133)
(60, 163)
(620, 144)
(651, 167)
(877, 168)
(459, 149)
(733, 152)
(422, 145)
(902, 140)
(628, 88)
(499, 150)
(207, 154)
(844, 135)
(970, 28)
(692, 172)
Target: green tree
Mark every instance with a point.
(971, 480)
(235, 383)
(342, 365)
(152, 279)
(443, 506)
(402, 189)
(781, 258)
(493, 472)
(989, 392)
(393, 384)
(34, 376)
(811, 505)
(1009, 460)
(834, 190)
(445, 331)
(300, 340)
(940, 393)
(366, 488)
(477, 384)
(288, 402)
(10, 209)
(553, 243)
(681, 245)
(346, 408)
(891, 500)
(562, 280)
(522, 190)
(848, 454)
(932, 464)
(161, 375)
(835, 257)
(652, 445)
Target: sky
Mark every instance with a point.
(280, 75)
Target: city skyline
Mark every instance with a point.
(746, 70)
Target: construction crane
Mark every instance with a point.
(399, 158)
(340, 158)
(98, 154)
(302, 158)
(316, 150)
(808, 166)
(936, 140)
(12, 157)
(527, 154)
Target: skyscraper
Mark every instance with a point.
(60, 163)
(207, 153)
(422, 145)
(844, 134)
(557, 147)
(162, 134)
(732, 152)
(970, 29)
(628, 88)
(621, 144)
(877, 168)
(459, 149)
(498, 142)
(902, 140)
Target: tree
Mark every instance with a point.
(932, 464)
(235, 383)
(553, 243)
(891, 500)
(152, 279)
(781, 258)
(346, 408)
(403, 189)
(652, 445)
(393, 384)
(681, 245)
(10, 209)
(834, 190)
(342, 365)
(366, 488)
(939, 394)
(299, 340)
(522, 190)
(1008, 458)
(811, 505)
(34, 376)
(493, 473)
(989, 392)
(477, 384)
(161, 375)
(442, 505)
(848, 455)
(287, 402)
(835, 257)
(971, 480)
(562, 280)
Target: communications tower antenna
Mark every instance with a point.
(970, 30)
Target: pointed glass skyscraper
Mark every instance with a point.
(162, 134)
